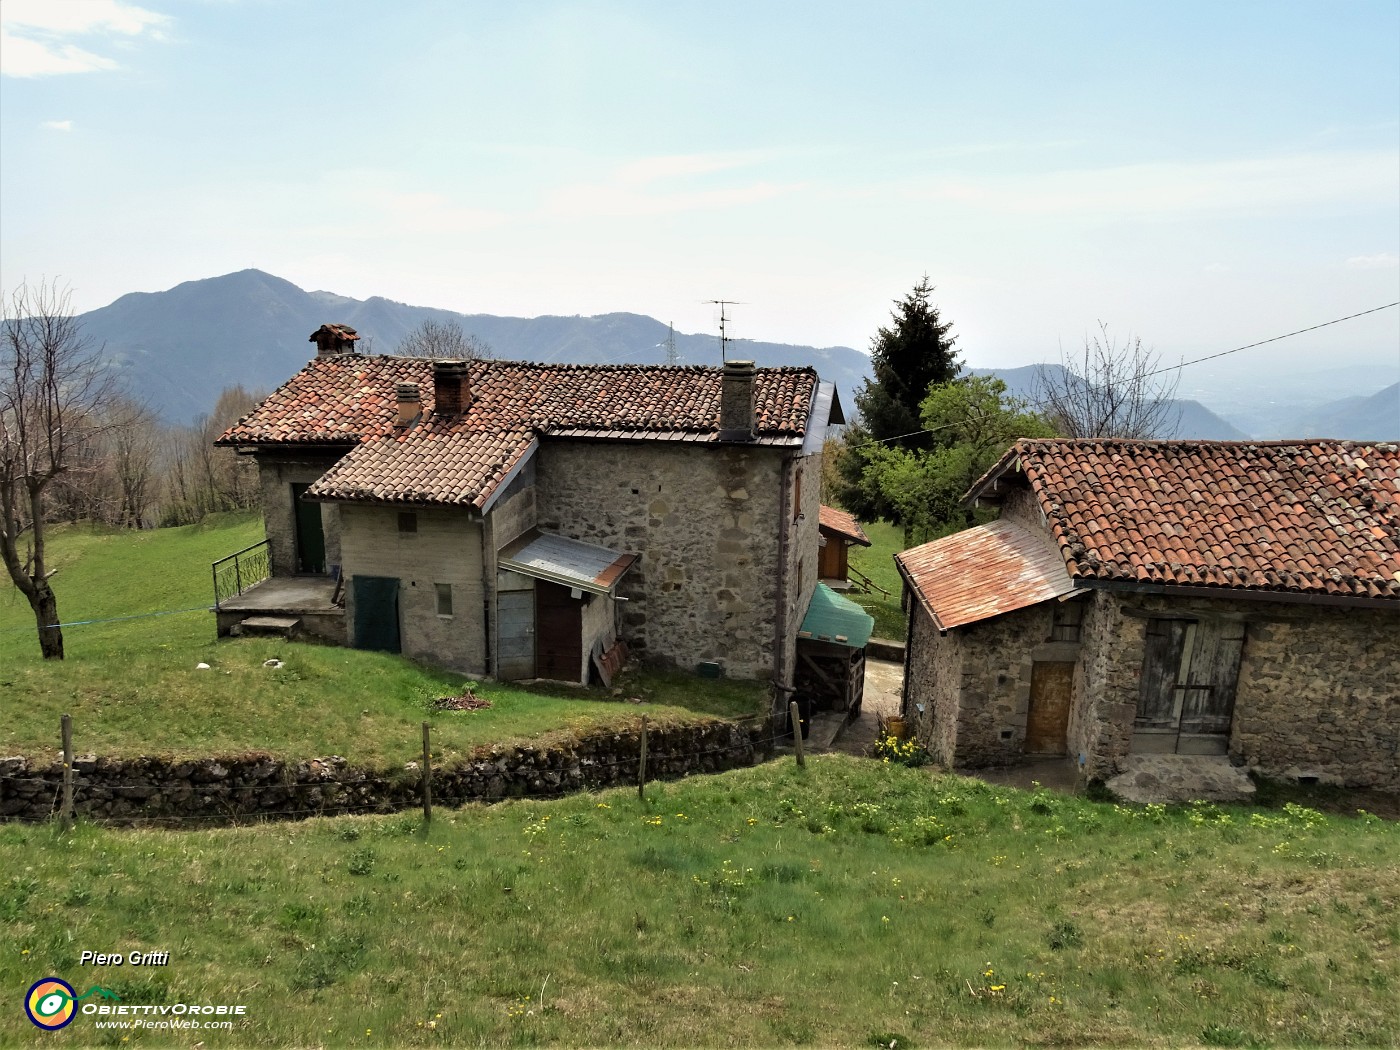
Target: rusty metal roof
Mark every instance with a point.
(983, 572)
(573, 563)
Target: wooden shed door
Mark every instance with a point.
(376, 612)
(515, 612)
(1186, 698)
(558, 633)
(1047, 722)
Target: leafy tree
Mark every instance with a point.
(914, 352)
(53, 394)
(971, 422)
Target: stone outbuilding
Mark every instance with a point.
(521, 520)
(1167, 597)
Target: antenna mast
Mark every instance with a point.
(723, 335)
(672, 357)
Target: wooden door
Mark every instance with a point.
(376, 601)
(311, 540)
(558, 633)
(515, 625)
(1047, 721)
(1186, 698)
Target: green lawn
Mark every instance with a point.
(877, 562)
(133, 686)
(850, 903)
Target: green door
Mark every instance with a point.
(311, 541)
(376, 612)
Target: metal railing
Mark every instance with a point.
(241, 570)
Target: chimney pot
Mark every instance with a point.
(333, 340)
(410, 403)
(736, 419)
(452, 392)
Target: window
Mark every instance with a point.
(797, 494)
(1068, 618)
(444, 598)
(408, 521)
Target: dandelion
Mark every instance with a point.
(884, 918)
(753, 821)
(602, 805)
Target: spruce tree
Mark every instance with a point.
(915, 351)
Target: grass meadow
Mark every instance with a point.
(877, 562)
(133, 687)
(850, 903)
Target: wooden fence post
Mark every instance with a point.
(642, 764)
(65, 814)
(427, 776)
(796, 732)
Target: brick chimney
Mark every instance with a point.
(452, 391)
(410, 403)
(736, 402)
(334, 339)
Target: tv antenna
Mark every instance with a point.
(723, 320)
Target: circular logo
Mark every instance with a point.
(51, 1003)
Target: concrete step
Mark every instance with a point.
(285, 626)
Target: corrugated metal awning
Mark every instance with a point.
(571, 563)
(832, 618)
(985, 571)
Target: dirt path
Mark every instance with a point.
(884, 682)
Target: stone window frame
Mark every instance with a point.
(443, 592)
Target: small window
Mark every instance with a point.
(1069, 616)
(444, 598)
(797, 494)
(408, 521)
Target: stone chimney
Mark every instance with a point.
(410, 403)
(334, 339)
(736, 402)
(452, 391)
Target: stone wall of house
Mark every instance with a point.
(934, 685)
(229, 789)
(804, 551)
(998, 659)
(276, 475)
(1105, 685)
(446, 548)
(704, 521)
(1020, 505)
(1318, 692)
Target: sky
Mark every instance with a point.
(1197, 174)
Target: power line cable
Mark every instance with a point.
(1168, 368)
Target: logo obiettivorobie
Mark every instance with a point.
(52, 1004)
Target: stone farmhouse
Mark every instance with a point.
(522, 520)
(1167, 596)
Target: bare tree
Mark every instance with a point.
(53, 390)
(133, 447)
(444, 340)
(1112, 391)
(200, 478)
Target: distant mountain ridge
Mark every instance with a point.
(178, 348)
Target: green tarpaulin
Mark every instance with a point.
(832, 618)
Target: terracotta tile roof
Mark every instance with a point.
(984, 572)
(1312, 517)
(843, 524)
(350, 400)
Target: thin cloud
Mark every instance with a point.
(1381, 261)
(37, 36)
(57, 125)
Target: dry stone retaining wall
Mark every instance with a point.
(230, 789)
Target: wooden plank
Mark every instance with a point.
(1161, 662)
(1047, 721)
